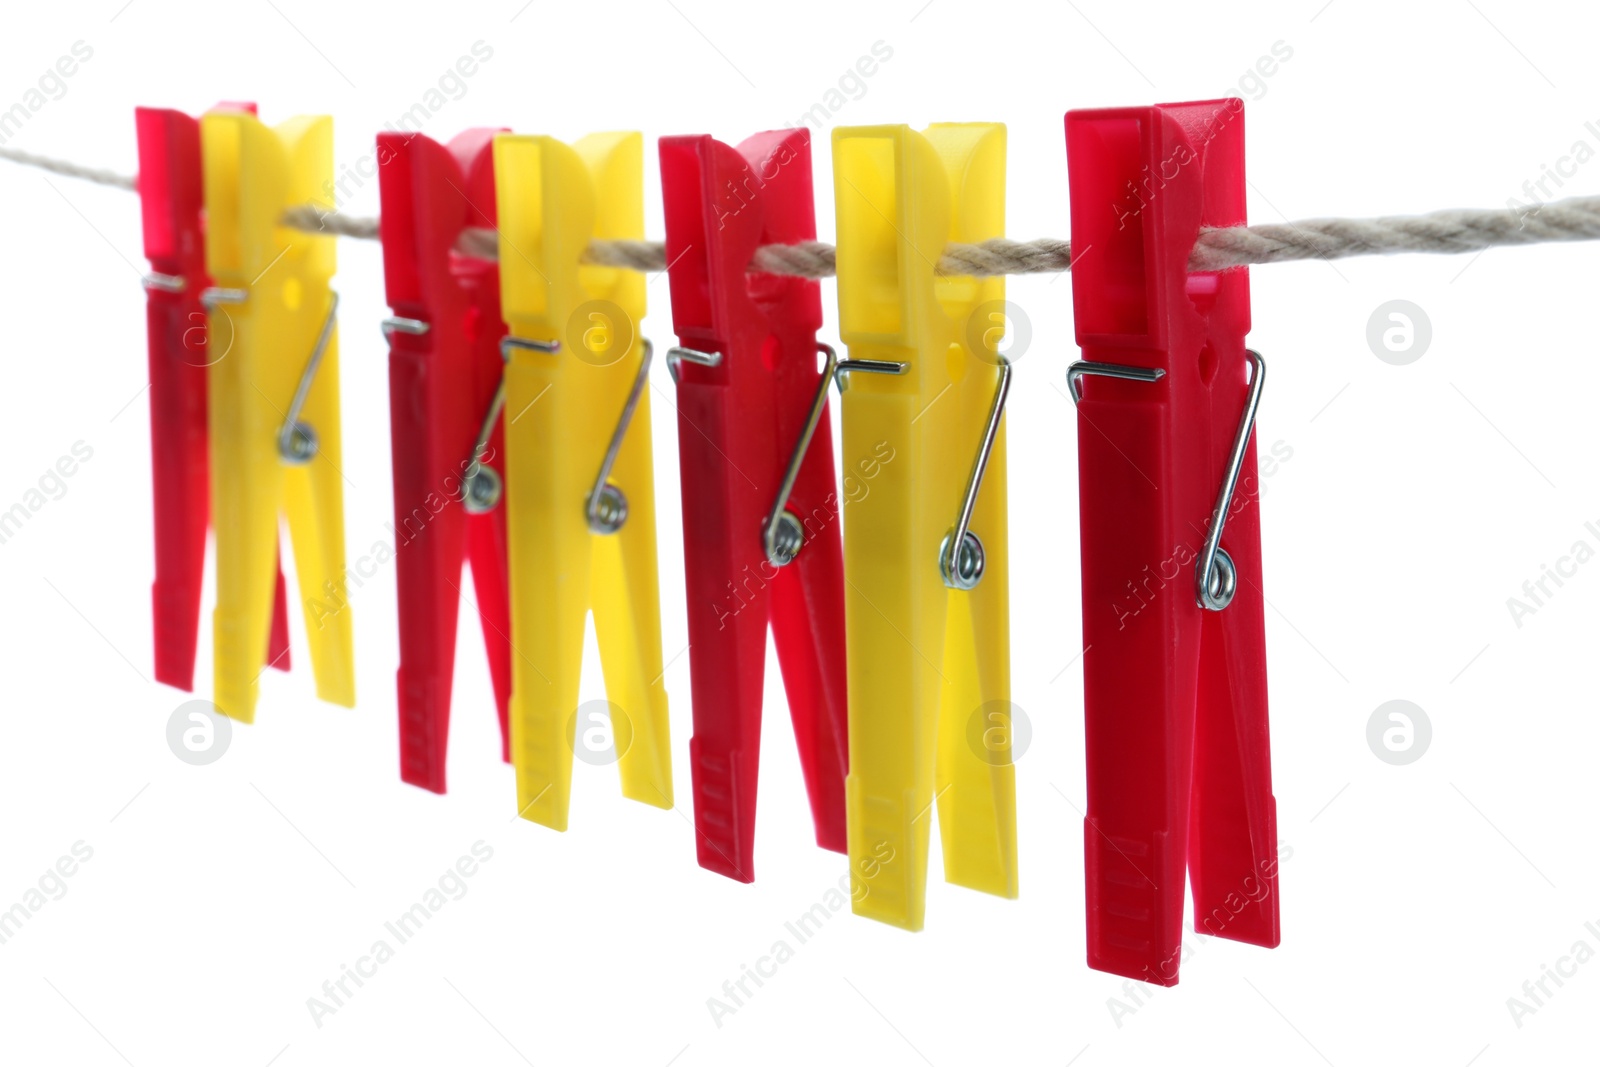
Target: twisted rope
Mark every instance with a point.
(1453, 231)
(1448, 232)
(70, 170)
(310, 218)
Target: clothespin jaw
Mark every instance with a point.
(581, 519)
(273, 391)
(170, 200)
(170, 195)
(923, 395)
(756, 463)
(445, 380)
(1175, 697)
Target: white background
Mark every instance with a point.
(1418, 498)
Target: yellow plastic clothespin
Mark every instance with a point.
(581, 501)
(273, 388)
(923, 398)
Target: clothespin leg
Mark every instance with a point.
(1233, 829)
(179, 482)
(728, 607)
(244, 491)
(894, 605)
(976, 780)
(812, 656)
(314, 505)
(547, 616)
(486, 551)
(428, 573)
(278, 633)
(1134, 845)
(627, 615)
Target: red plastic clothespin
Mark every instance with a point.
(760, 509)
(170, 198)
(445, 398)
(1175, 677)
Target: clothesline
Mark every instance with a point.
(1451, 231)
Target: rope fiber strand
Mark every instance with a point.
(1453, 231)
(1448, 232)
(70, 170)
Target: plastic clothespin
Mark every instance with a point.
(445, 399)
(923, 395)
(581, 513)
(170, 198)
(273, 391)
(1175, 682)
(760, 504)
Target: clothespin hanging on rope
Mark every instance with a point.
(170, 200)
(273, 391)
(446, 392)
(923, 395)
(760, 503)
(1175, 677)
(581, 510)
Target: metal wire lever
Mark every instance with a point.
(841, 370)
(961, 553)
(508, 342)
(782, 535)
(482, 486)
(211, 298)
(297, 441)
(1215, 578)
(1079, 370)
(481, 490)
(607, 508)
(678, 355)
(166, 283)
(400, 324)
